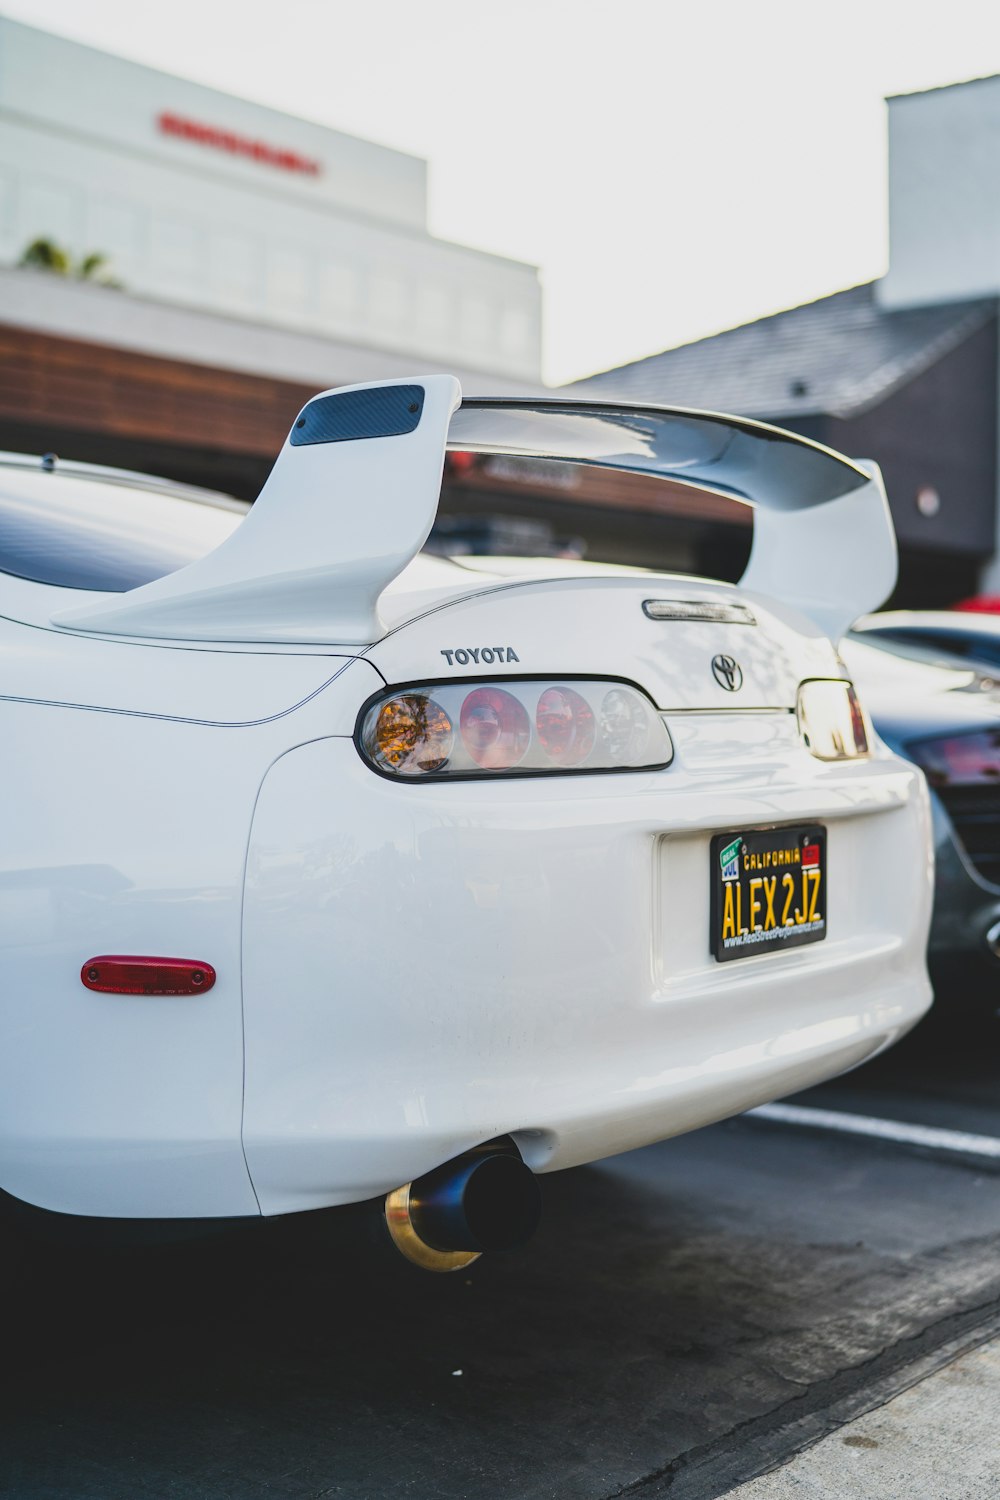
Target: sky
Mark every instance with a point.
(673, 168)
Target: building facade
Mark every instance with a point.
(213, 202)
(903, 370)
(256, 257)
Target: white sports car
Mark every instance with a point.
(332, 872)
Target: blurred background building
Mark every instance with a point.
(220, 262)
(199, 265)
(902, 370)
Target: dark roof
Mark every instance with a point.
(839, 355)
(939, 88)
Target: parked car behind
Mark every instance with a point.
(942, 712)
(971, 640)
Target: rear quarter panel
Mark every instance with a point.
(126, 832)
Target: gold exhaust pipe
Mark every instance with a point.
(485, 1200)
(408, 1242)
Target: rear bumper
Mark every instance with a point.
(428, 967)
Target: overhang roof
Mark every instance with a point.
(838, 356)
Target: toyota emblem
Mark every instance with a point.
(727, 673)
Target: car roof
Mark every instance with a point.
(133, 479)
(910, 700)
(886, 672)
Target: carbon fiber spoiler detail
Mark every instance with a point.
(354, 492)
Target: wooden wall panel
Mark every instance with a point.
(46, 380)
(605, 489)
(223, 429)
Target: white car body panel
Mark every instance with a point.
(218, 687)
(407, 970)
(110, 1104)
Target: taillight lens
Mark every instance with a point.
(961, 759)
(625, 727)
(831, 720)
(459, 729)
(495, 728)
(411, 735)
(566, 725)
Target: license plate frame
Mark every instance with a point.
(750, 916)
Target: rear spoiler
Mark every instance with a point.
(354, 493)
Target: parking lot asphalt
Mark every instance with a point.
(688, 1315)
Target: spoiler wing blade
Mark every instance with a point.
(354, 493)
(824, 541)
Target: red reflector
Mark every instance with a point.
(115, 974)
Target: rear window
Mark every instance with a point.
(934, 644)
(82, 533)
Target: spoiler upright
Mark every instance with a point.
(354, 492)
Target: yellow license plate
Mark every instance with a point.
(768, 890)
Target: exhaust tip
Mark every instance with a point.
(488, 1200)
(501, 1205)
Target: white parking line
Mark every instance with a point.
(959, 1141)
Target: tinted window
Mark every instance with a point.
(964, 645)
(976, 648)
(89, 534)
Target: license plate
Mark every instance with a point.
(768, 890)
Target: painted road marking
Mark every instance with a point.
(935, 1139)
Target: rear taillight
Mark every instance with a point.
(960, 759)
(831, 720)
(461, 729)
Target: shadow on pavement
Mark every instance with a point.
(675, 1301)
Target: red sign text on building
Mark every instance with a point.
(237, 145)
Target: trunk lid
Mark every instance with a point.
(590, 621)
